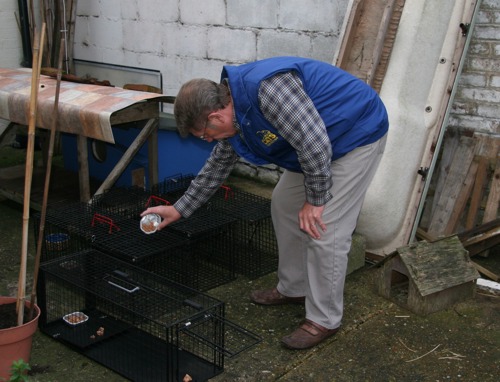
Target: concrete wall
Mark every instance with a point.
(476, 105)
(11, 47)
(192, 38)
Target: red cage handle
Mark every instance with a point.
(229, 192)
(158, 200)
(105, 220)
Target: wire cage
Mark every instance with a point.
(209, 235)
(171, 254)
(255, 249)
(172, 187)
(187, 252)
(143, 326)
(73, 226)
(128, 202)
(253, 233)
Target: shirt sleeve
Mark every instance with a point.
(215, 171)
(286, 105)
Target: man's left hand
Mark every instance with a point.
(310, 219)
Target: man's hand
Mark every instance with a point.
(168, 213)
(310, 218)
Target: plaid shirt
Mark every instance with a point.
(285, 104)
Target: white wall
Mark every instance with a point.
(192, 38)
(11, 48)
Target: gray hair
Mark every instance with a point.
(196, 99)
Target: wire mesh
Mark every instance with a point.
(134, 317)
(253, 233)
(74, 226)
(128, 202)
(254, 249)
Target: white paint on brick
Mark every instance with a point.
(11, 47)
(490, 110)
(474, 123)
(482, 48)
(206, 12)
(473, 79)
(92, 8)
(107, 35)
(283, 43)
(311, 15)
(495, 81)
(487, 32)
(231, 45)
(480, 94)
(245, 14)
(190, 41)
(476, 101)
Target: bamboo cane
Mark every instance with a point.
(35, 79)
(70, 25)
(53, 128)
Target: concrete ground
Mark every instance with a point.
(379, 341)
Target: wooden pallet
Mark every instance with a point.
(468, 191)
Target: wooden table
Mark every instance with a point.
(88, 111)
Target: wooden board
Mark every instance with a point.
(370, 34)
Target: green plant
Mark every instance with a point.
(19, 371)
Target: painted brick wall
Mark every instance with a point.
(10, 37)
(191, 38)
(476, 105)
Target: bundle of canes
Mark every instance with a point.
(35, 79)
(50, 154)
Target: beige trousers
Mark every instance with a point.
(314, 268)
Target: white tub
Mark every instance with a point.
(415, 85)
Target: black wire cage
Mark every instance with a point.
(145, 327)
(254, 246)
(253, 233)
(187, 252)
(70, 227)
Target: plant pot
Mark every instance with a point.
(15, 342)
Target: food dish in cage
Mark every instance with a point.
(57, 241)
(75, 318)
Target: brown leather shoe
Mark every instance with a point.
(273, 297)
(307, 335)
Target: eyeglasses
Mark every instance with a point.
(202, 136)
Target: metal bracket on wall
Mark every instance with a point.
(423, 172)
(465, 28)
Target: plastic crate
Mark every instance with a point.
(142, 326)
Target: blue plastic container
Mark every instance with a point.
(176, 155)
